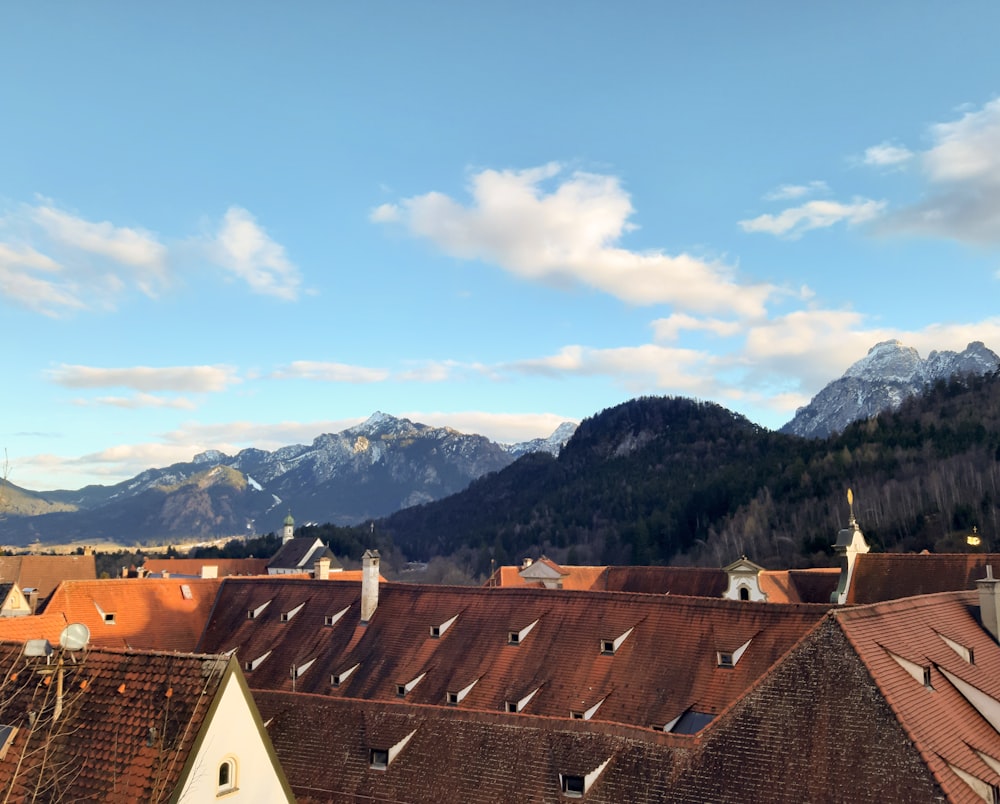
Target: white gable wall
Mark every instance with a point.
(233, 733)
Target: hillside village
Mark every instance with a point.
(291, 679)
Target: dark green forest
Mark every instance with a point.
(661, 480)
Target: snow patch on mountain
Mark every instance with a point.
(882, 380)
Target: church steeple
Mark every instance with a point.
(288, 531)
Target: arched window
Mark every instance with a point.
(227, 775)
(744, 593)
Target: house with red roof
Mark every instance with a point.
(94, 724)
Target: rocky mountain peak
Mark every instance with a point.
(890, 373)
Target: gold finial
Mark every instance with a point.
(850, 502)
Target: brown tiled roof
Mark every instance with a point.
(667, 665)
(799, 586)
(815, 728)
(45, 572)
(696, 581)
(459, 757)
(192, 566)
(127, 724)
(148, 613)
(945, 726)
(888, 576)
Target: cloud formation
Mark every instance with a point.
(787, 192)
(196, 379)
(542, 225)
(886, 154)
(963, 168)
(793, 222)
(330, 372)
(243, 248)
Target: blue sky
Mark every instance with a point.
(227, 224)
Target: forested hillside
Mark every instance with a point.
(670, 480)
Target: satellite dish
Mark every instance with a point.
(74, 636)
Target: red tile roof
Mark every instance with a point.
(888, 576)
(45, 572)
(696, 581)
(193, 566)
(799, 586)
(127, 724)
(814, 728)
(645, 683)
(459, 757)
(940, 719)
(147, 613)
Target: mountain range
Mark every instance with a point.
(387, 464)
(882, 380)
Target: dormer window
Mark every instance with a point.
(253, 614)
(517, 637)
(518, 705)
(729, 658)
(339, 678)
(332, 619)
(380, 758)
(455, 698)
(586, 714)
(287, 615)
(107, 617)
(965, 651)
(438, 630)
(303, 667)
(919, 672)
(572, 786)
(610, 646)
(403, 689)
(255, 663)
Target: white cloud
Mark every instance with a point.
(132, 247)
(330, 372)
(199, 379)
(570, 233)
(788, 192)
(886, 154)
(669, 329)
(385, 213)
(31, 279)
(794, 221)
(636, 368)
(963, 167)
(245, 250)
(55, 262)
(504, 428)
(142, 401)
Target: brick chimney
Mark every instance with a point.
(989, 603)
(322, 569)
(369, 584)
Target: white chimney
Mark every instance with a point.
(322, 569)
(989, 603)
(369, 584)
